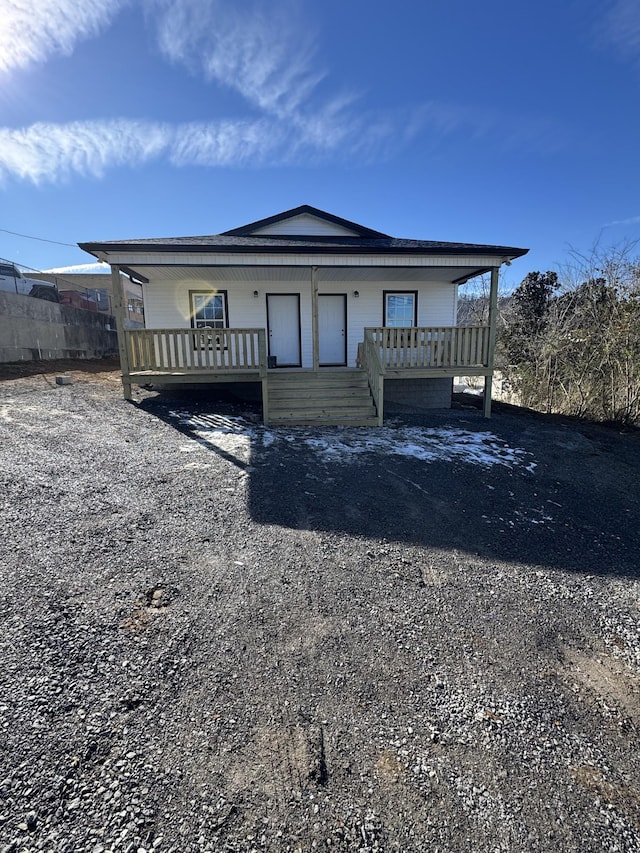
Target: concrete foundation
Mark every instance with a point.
(417, 394)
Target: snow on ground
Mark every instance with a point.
(346, 445)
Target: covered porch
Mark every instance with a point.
(324, 315)
(185, 356)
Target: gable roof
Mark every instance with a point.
(316, 213)
(357, 240)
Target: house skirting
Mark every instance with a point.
(417, 394)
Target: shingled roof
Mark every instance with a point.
(365, 241)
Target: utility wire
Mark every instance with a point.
(41, 239)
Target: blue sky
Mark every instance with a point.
(510, 121)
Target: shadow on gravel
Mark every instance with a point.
(552, 495)
(89, 368)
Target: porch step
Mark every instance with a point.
(282, 394)
(327, 398)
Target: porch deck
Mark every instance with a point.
(207, 355)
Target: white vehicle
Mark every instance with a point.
(13, 281)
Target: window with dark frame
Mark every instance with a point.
(208, 311)
(400, 309)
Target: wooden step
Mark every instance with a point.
(316, 393)
(310, 403)
(327, 398)
(329, 382)
(323, 412)
(307, 421)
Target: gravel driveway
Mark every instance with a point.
(222, 637)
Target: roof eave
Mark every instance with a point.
(505, 252)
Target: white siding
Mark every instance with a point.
(436, 306)
(306, 225)
(137, 260)
(167, 305)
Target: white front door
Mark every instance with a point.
(283, 319)
(332, 328)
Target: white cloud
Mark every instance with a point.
(263, 51)
(33, 30)
(46, 153)
(228, 143)
(267, 54)
(86, 269)
(49, 153)
(632, 220)
(621, 27)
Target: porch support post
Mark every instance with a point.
(264, 376)
(493, 314)
(120, 315)
(314, 318)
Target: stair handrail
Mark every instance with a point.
(369, 354)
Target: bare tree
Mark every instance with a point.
(571, 342)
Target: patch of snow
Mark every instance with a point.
(425, 444)
(452, 444)
(268, 438)
(230, 435)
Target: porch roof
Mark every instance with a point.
(293, 244)
(302, 237)
(322, 233)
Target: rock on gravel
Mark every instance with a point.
(222, 637)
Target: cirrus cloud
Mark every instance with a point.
(31, 34)
(619, 28)
(49, 153)
(265, 52)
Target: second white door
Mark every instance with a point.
(332, 329)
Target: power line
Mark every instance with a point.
(57, 276)
(41, 239)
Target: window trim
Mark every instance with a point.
(204, 340)
(386, 293)
(212, 292)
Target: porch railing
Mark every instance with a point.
(221, 350)
(196, 350)
(431, 347)
(369, 358)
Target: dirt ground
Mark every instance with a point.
(218, 636)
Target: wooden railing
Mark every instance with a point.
(220, 350)
(369, 360)
(196, 350)
(430, 347)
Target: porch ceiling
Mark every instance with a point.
(257, 274)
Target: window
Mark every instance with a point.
(209, 310)
(400, 309)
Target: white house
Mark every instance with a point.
(332, 318)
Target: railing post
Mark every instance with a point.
(493, 311)
(264, 376)
(380, 399)
(315, 325)
(119, 312)
(262, 352)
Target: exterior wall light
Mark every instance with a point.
(256, 294)
(356, 293)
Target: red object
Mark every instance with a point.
(77, 300)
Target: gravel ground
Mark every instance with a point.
(222, 637)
